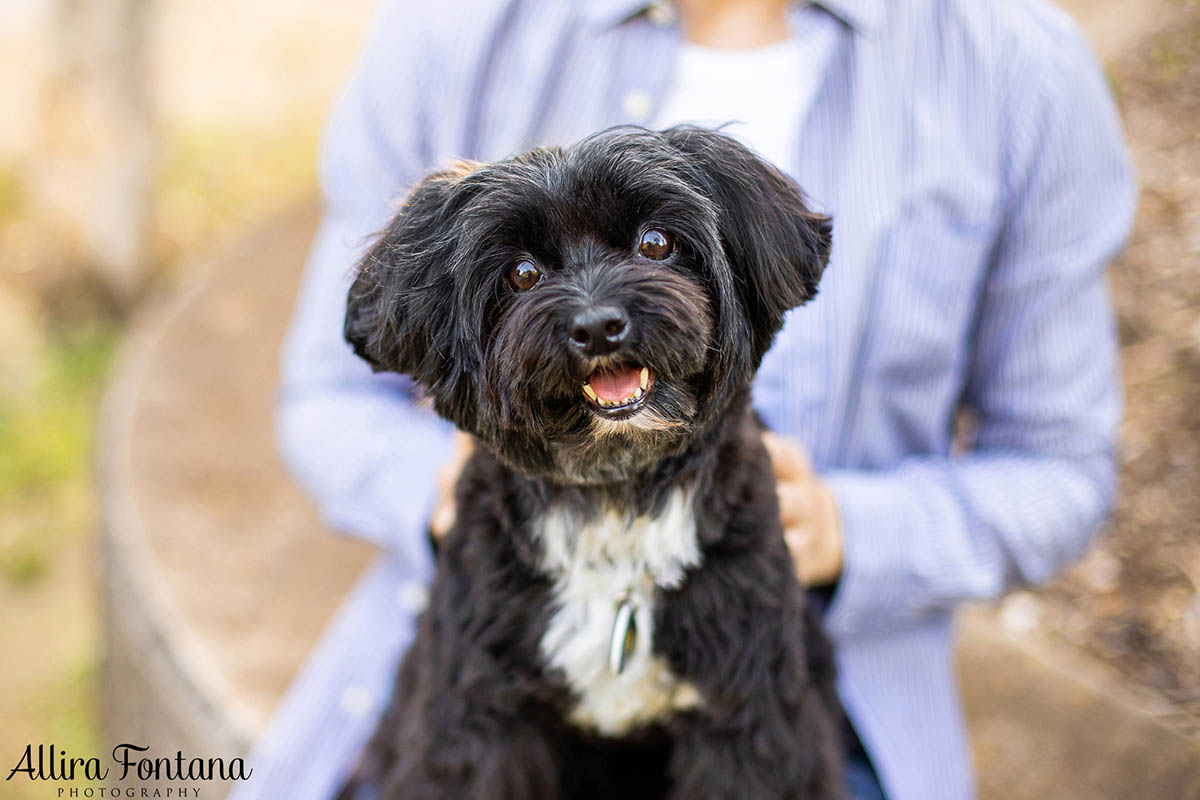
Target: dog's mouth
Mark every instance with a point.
(617, 392)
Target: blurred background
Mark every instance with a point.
(152, 152)
(137, 137)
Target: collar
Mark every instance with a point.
(862, 16)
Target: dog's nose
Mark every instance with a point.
(599, 330)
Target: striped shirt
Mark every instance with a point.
(972, 159)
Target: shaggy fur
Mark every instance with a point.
(506, 693)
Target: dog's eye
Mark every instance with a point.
(524, 275)
(655, 245)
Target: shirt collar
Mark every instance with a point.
(863, 16)
(606, 13)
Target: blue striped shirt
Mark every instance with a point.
(971, 157)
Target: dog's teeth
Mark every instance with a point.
(645, 377)
(604, 403)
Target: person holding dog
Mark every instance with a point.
(971, 158)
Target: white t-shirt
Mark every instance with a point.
(759, 91)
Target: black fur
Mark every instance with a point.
(477, 712)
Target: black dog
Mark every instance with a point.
(615, 613)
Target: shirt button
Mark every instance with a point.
(413, 597)
(661, 13)
(637, 105)
(355, 701)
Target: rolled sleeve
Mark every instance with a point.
(1040, 475)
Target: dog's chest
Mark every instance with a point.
(597, 567)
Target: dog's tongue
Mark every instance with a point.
(613, 386)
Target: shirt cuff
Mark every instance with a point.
(393, 512)
(875, 526)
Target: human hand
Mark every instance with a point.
(811, 526)
(442, 519)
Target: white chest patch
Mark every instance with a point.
(593, 565)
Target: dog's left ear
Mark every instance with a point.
(776, 246)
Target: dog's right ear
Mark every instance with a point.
(777, 246)
(400, 296)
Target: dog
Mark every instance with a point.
(615, 612)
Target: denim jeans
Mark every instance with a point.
(861, 780)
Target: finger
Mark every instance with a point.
(447, 477)
(788, 459)
(798, 539)
(451, 468)
(781, 459)
(442, 520)
(798, 543)
(795, 503)
(827, 560)
(803, 546)
(817, 552)
(816, 570)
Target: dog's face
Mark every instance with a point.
(587, 312)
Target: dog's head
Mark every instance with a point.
(587, 312)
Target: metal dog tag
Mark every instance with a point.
(624, 635)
